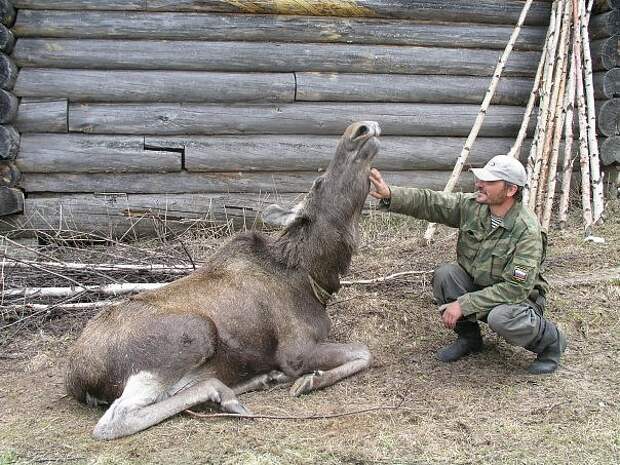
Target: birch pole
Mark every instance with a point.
(567, 162)
(460, 162)
(554, 134)
(535, 157)
(584, 156)
(595, 171)
(516, 147)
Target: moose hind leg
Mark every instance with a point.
(145, 403)
(330, 363)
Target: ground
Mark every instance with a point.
(485, 409)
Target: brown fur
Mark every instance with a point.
(249, 310)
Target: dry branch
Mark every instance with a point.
(155, 268)
(108, 289)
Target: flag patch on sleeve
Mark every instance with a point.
(519, 274)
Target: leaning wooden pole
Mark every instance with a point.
(552, 142)
(597, 182)
(516, 147)
(534, 161)
(567, 162)
(460, 162)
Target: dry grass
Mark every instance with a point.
(485, 409)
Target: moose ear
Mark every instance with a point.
(278, 216)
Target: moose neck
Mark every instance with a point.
(324, 252)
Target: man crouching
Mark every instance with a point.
(500, 250)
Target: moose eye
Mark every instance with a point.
(360, 132)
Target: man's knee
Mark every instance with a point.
(450, 281)
(518, 324)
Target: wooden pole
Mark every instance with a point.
(535, 157)
(458, 167)
(516, 148)
(597, 182)
(567, 162)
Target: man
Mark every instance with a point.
(500, 250)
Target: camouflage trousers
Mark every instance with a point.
(520, 324)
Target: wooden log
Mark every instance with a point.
(7, 13)
(264, 57)
(184, 182)
(8, 72)
(487, 11)
(407, 88)
(77, 153)
(9, 142)
(298, 118)
(9, 174)
(133, 215)
(607, 84)
(605, 53)
(42, 115)
(155, 86)
(268, 28)
(11, 201)
(81, 4)
(8, 106)
(604, 25)
(481, 11)
(608, 118)
(7, 39)
(610, 151)
(313, 153)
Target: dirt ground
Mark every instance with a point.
(485, 409)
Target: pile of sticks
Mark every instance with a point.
(563, 81)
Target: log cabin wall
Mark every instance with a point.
(120, 114)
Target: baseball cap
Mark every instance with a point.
(502, 168)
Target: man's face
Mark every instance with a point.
(491, 192)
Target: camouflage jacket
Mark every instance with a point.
(505, 262)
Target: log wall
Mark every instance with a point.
(125, 112)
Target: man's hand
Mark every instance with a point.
(451, 314)
(382, 190)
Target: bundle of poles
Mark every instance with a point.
(562, 83)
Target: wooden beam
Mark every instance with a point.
(608, 117)
(80, 85)
(9, 174)
(11, 201)
(480, 11)
(604, 25)
(77, 153)
(42, 115)
(184, 182)
(332, 87)
(8, 72)
(313, 153)
(610, 151)
(8, 106)
(9, 142)
(269, 28)
(81, 4)
(605, 53)
(7, 39)
(264, 57)
(133, 215)
(7, 13)
(607, 84)
(298, 118)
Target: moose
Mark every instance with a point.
(254, 315)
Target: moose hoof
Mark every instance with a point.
(305, 384)
(234, 406)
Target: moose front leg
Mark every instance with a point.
(330, 363)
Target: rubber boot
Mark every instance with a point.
(468, 341)
(549, 349)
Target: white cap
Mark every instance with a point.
(502, 168)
